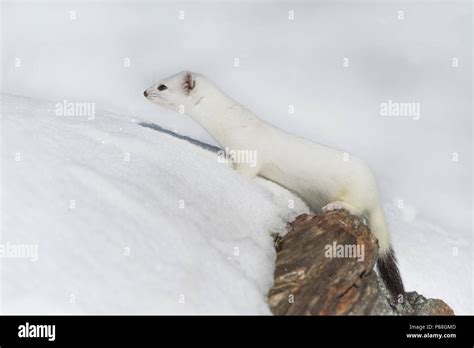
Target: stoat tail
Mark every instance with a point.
(386, 262)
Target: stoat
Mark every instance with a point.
(325, 178)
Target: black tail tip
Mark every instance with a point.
(388, 269)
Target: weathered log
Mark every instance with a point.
(325, 266)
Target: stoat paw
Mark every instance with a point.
(245, 170)
(333, 206)
(339, 205)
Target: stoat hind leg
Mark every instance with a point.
(339, 205)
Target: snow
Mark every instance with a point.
(153, 219)
(424, 167)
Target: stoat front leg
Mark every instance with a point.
(246, 170)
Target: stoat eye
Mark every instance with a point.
(162, 87)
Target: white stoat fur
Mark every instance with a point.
(325, 178)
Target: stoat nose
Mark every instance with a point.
(145, 94)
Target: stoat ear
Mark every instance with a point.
(189, 83)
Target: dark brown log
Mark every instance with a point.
(325, 266)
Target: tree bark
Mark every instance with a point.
(325, 266)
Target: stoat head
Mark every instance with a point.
(174, 91)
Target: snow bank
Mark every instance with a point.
(129, 220)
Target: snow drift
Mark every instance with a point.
(130, 220)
